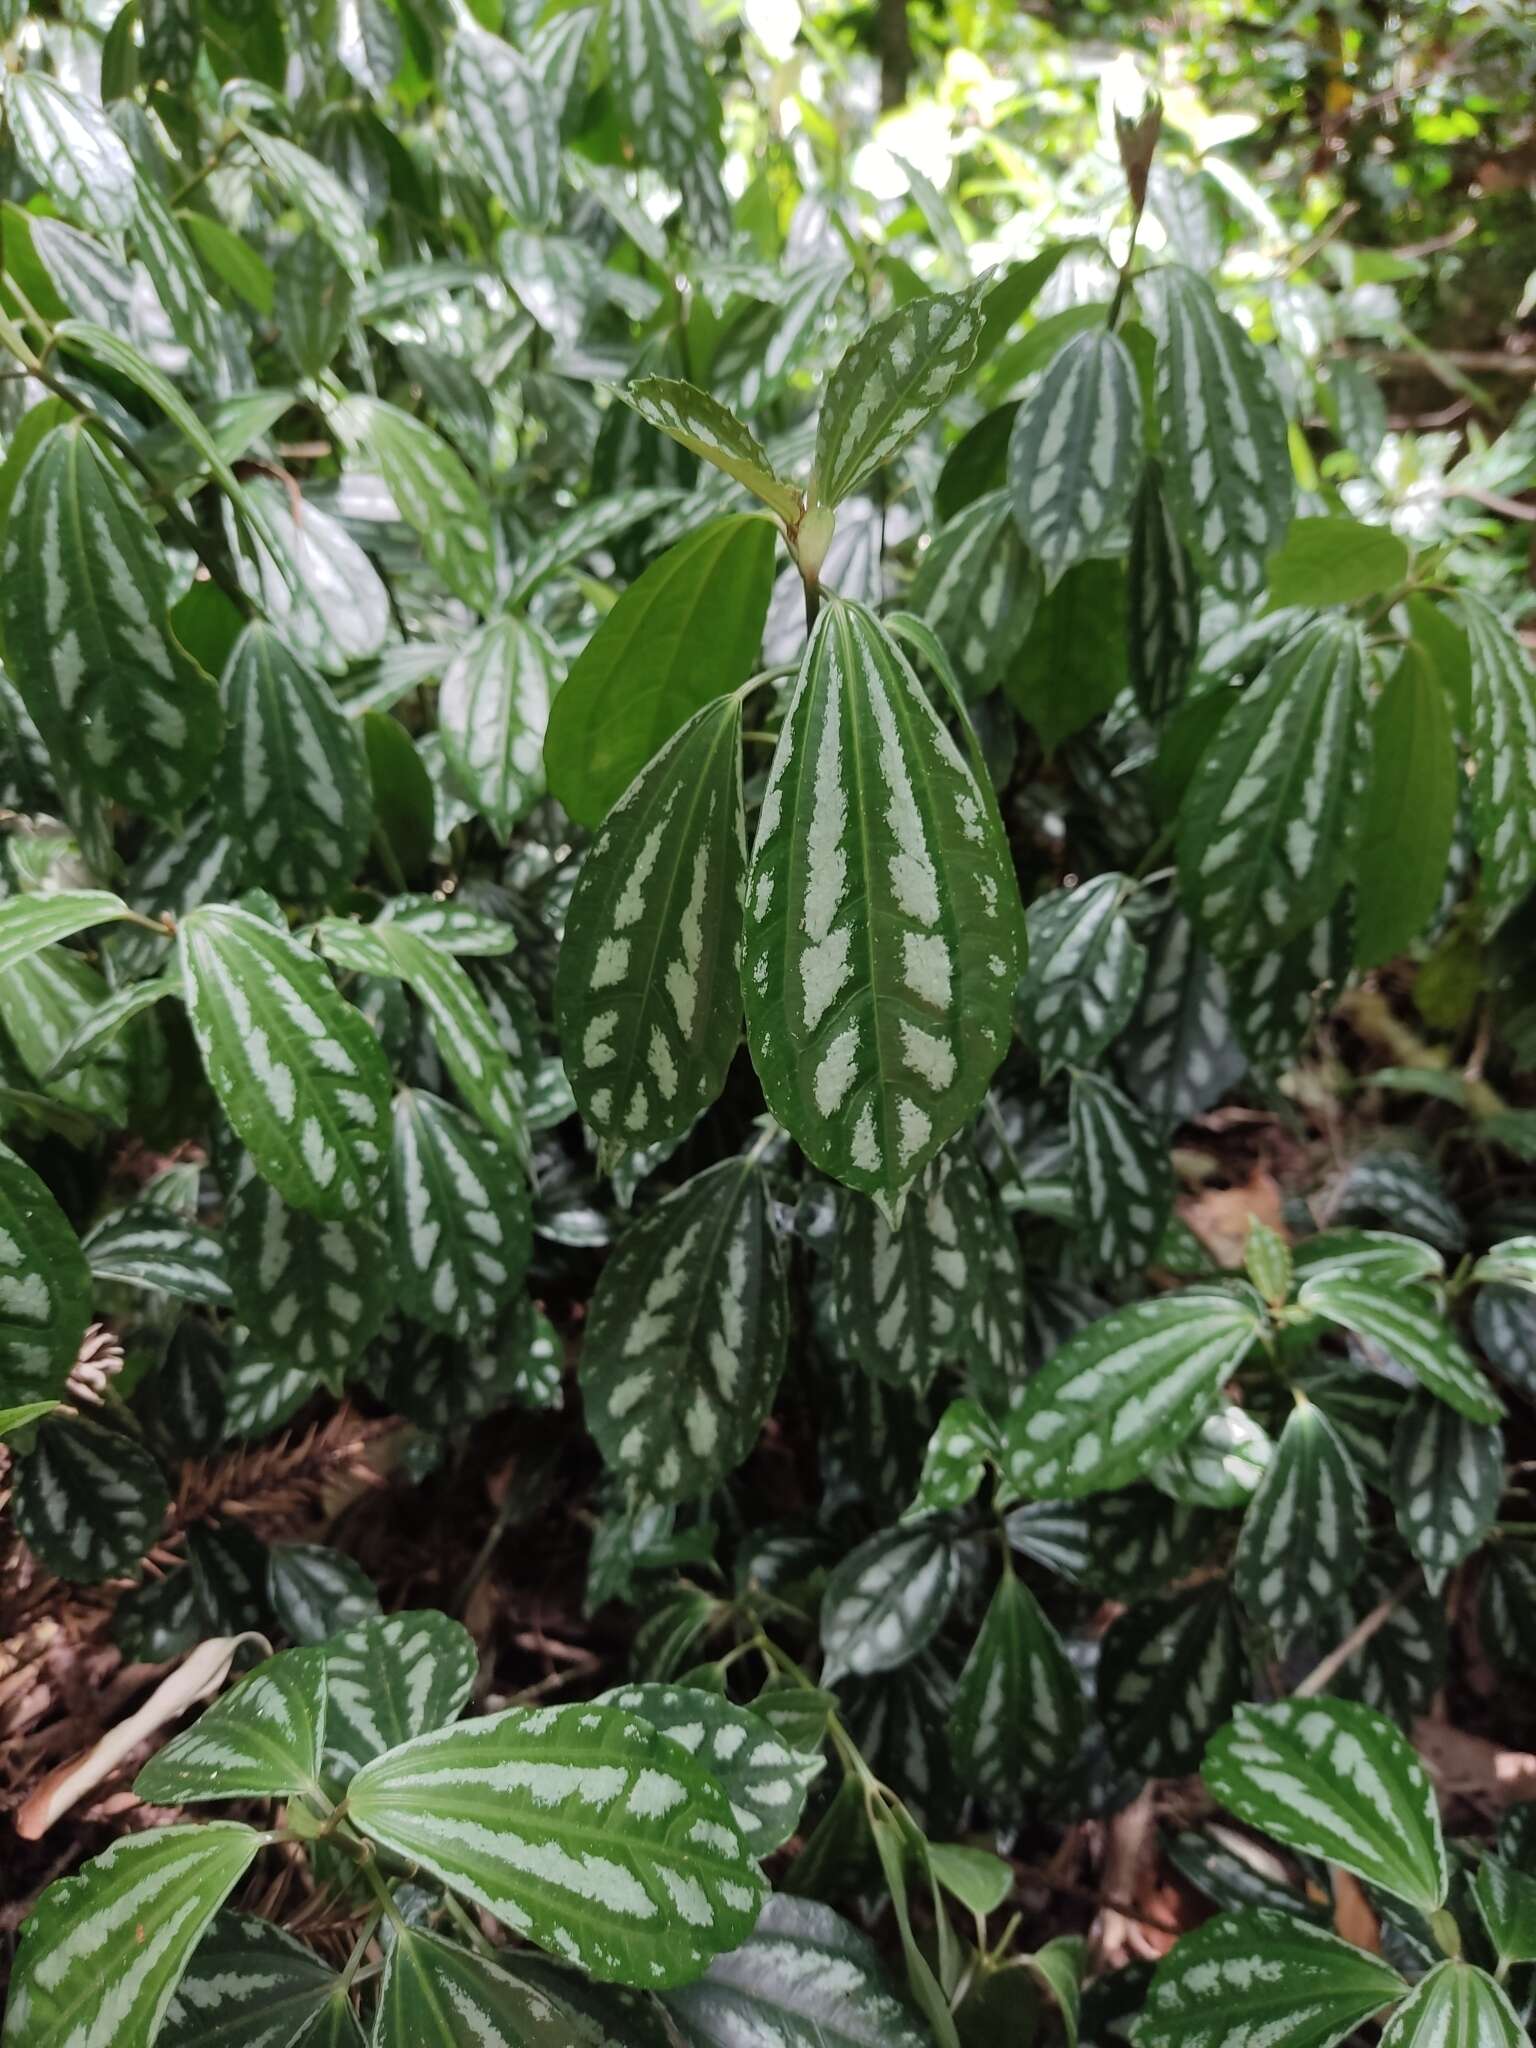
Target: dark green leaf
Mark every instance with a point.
(1018, 1711)
(1075, 454)
(1266, 1975)
(888, 1599)
(1333, 560)
(262, 1740)
(88, 1500)
(1171, 1670)
(1303, 1537)
(45, 1287)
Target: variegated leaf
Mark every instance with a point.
(1277, 996)
(1271, 815)
(1381, 1257)
(68, 144)
(669, 105)
(88, 1500)
(454, 925)
(1506, 1615)
(1121, 1177)
(978, 588)
(1503, 739)
(966, 1441)
(686, 1337)
(1506, 1902)
(433, 1990)
(1447, 1480)
(647, 999)
(999, 1351)
(459, 1217)
(1337, 1781)
(462, 1029)
(1177, 1053)
(589, 527)
(1220, 1464)
(45, 1287)
(902, 1297)
(1512, 1263)
(1263, 1975)
(167, 255)
(1163, 601)
(1456, 2006)
(1405, 1322)
(262, 1740)
(435, 494)
(261, 1392)
(317, 195)
(88, 643)
(46, 1002)
(1303, 1537)
(763, 1777)
(1406, 1188)
(492, 709)
(1124, 1392)
(1226, 466)
(292, 781)
(878, 971)
(1018, 1711)
(583, 1828)
(1084, 974)
(28, 923)
(311, 1291)
(1171, 1669)
(316, 1592)
(707, 428)
(311, 301)
(250, 1985)
(391, 1679)
(507, 126)
(803, 1979)
(1075, 453)
(103, 1951)
(888, 385)
(298, 1072)
(145, 1245)
(445, 1384)
(888, 1599)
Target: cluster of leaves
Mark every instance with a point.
(435, 465)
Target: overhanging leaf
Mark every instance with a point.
(262, 1740)
(1406, 1323)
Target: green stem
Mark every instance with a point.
(369, 1928)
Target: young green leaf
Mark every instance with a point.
(144, 1245)
(1406, 1323)
(1303, 1537)
(433, 1990)
(391, 1679)
(1163, 600)
(459, 1217)
(1268, 825)
(1456, 2006)
(1447, 1480)
(250, 1985)
(1171, 1670)
(1226, 467)
(45, 1287)
(1410, 811)
(1076, 451)
(507, 125)
(28, 923)
(68, 144)
(263, 1740)
(1018, 1710)
(1333, 560)
(1506, 1900)
(684, 633)
(888, 1599)
(88, 1500)
(492, 709)
(763, 1777)
(1264, 1975)
(585, 1829)
(1380, 1257)
(435, 493)
(707, 428)
(978, 588)
(880, 959)
(888, 385)
(685, 1342)
(1503, 738)
(310, 1291)
(1337, 1781)
(647, 996)
(1121, 1178)
(103, 1950)
(1084, 974)
(1124, 1392)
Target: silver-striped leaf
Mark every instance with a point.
(103, 1950)
(311, 301)
(507, 126)
(261, 1392)
(446, 1383)
(1017, 1717)
(707, 428)
(1261, 1975)
(583, 1828)
(686, 1336)
(647, 997)
(391, 1679)
(250, 1985)
(1276, 997)
(588, 528)
(1456, 2006)
(298, 1072)
(1163, 601)
(1506, 1903)
(902, 1297)
(888, 385)
(978, 589)
(956, 1460)
(1335, 1780)
(1220, 1464)
(1504, 1325)
(1170, 1671)
(1122, 1179)
(1124, 1392)
(1302, 1542)
(435, 494)
(668, 103)
(145, 1245)
(88, 643)
(434, 1991)
(1075, 453)
(317, 195)
(88, 1500)
(292, 782)
(1503, 745)
(162, 247)
(311, 1291)
(888, 1599)
(1382, 1257)
(1084, 975)
(1447, 1481)
(1177, 1054)
(46, 1001)
(316, 1591)
(1511, 1262)
(460, 1219)
(884, 932)
(803, 1979)
(454, 925)
(93, 1035)
(492, 709)
(1226, 464)
(1272, 813)
(68, 144)
(1406, 1323)
(764, 1778)
(45, 1287)
(28, 923)
(262, 1740)
(1506, 1611)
